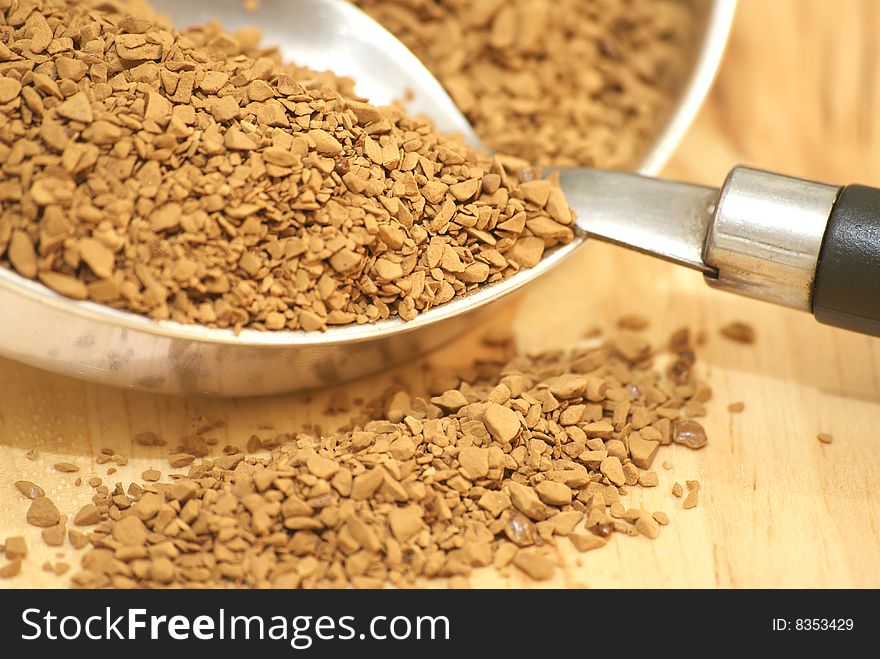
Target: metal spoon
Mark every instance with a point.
(760, 235)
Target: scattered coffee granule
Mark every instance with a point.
(54, 535)
(77, 539)
(338, 403)
(88, 515)
(692, 497)
(58, 569)
(739, 332)
(680, 341)
(11, 569)
(690, 433)
(649, 479)
(15, 547)
(677, 490)
(151, 475)
(600, 528)
(825, 438)
(562, 82)
(647, 525)
(195, 177)
(148, 439)
(66, 467)
(179, 460)
(254, 444)
(32, 454)
(43, 513)
(661, 518)
(30, 490)
(195, 445)
(493, 470)
(736, 408)
(538, 567)
(584, 542)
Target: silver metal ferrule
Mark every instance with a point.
(766, 234)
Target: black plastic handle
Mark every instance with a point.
(846, 292)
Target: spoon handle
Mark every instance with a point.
(799, 243)
(846, 292)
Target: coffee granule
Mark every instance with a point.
(736, 408)
(661, 518)
(538, 567)
(647, 525)
(559, 82)
(148, 439)
(193, 176)
(825, 438)
(583, 542)
(254, 444)
(29, 490)
(15, 548)
(178, 460)
(493, 471)
(77, 539)
(688, 432)
(739, 332)
(649, 479)
(88, 515)
(693, 495)
(151, 475)
(54, 535)
(43, 512)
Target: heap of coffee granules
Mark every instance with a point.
(497, 467)
(563, 82)
(194, 177)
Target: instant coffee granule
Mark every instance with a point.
(193, 176)
(29, 489)
(10, 569)
(739, 332)
(15, 548)
(500, 465)
(556, 82)
(693, 495)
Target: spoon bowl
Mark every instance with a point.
(104, 345)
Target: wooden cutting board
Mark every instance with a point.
(777, 507)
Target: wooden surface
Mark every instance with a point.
(777, 507)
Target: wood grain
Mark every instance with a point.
(799, 92)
